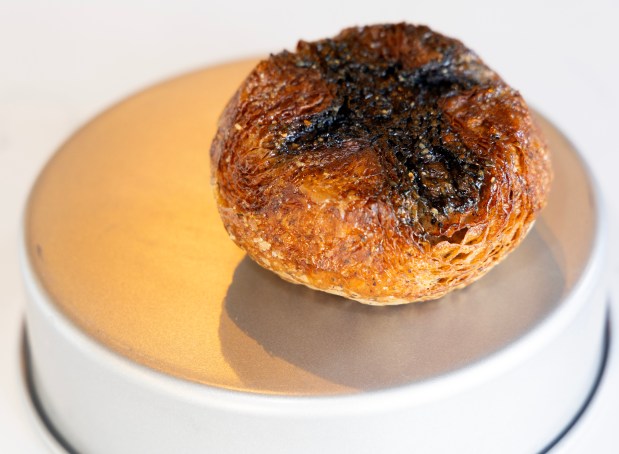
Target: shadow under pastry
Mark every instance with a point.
(284, 338)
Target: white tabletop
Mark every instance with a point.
(64, 61)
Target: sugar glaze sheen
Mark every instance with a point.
(388, 165)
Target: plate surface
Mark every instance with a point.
(123, 233)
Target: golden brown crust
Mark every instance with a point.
(387, 165)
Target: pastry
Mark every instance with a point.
(388, 165)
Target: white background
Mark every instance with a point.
(61, 62)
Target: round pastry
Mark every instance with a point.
(387, 165)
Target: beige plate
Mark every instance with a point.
(123, 233)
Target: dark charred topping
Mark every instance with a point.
(389, 84)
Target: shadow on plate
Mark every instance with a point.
(361, 347)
